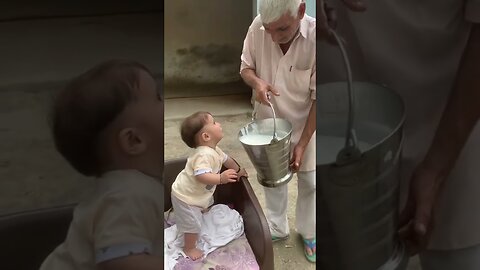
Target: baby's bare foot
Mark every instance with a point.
(194, 253)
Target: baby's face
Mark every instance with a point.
(153, 107)
(213, 128)
(146, 113)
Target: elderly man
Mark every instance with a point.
(278, 63)
(429, 52)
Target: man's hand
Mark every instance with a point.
(327, 17)
(416, 220)
(262, 90)
(460, 116)
(297, 157)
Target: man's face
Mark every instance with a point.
(285, 28)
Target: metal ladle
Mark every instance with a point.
(275, 138)
(350, 151)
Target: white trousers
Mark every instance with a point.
(457, 259)
(277, 203)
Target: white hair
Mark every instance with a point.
(272, 10)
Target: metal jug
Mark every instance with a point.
(271, 158)
(359, 143)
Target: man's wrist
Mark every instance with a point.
(302, 144)
(256, 83)
(440, 167)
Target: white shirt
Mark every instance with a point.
(122, 217)
(293, 75)
(187, 188)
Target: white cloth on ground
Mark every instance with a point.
(220, 226)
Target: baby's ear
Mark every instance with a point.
(131, 141)
(205, 137)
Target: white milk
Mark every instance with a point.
(260, 139)
(329, 146)
(256, 139)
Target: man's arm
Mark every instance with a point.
(310, 125)
(260, 87)
(327, 17)
(461, 112)
(308, 130)
(458, 120)
(250, 77)
(248, 72)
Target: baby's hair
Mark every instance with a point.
(191, 126)
(87, 105)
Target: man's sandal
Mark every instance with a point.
(310, 243)
(277, 238)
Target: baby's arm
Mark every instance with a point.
(232, 164)
(215, 179)
(126, 228)
(133, 262)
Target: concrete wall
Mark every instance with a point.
(55, 50)
(204, 39)
(22, 9)
(50, 41)
(311, 4)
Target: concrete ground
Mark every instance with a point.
(233, 112)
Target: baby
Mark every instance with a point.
(108, 123)
(192, 191)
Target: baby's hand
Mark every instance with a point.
(242, 172)
(228, 176)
